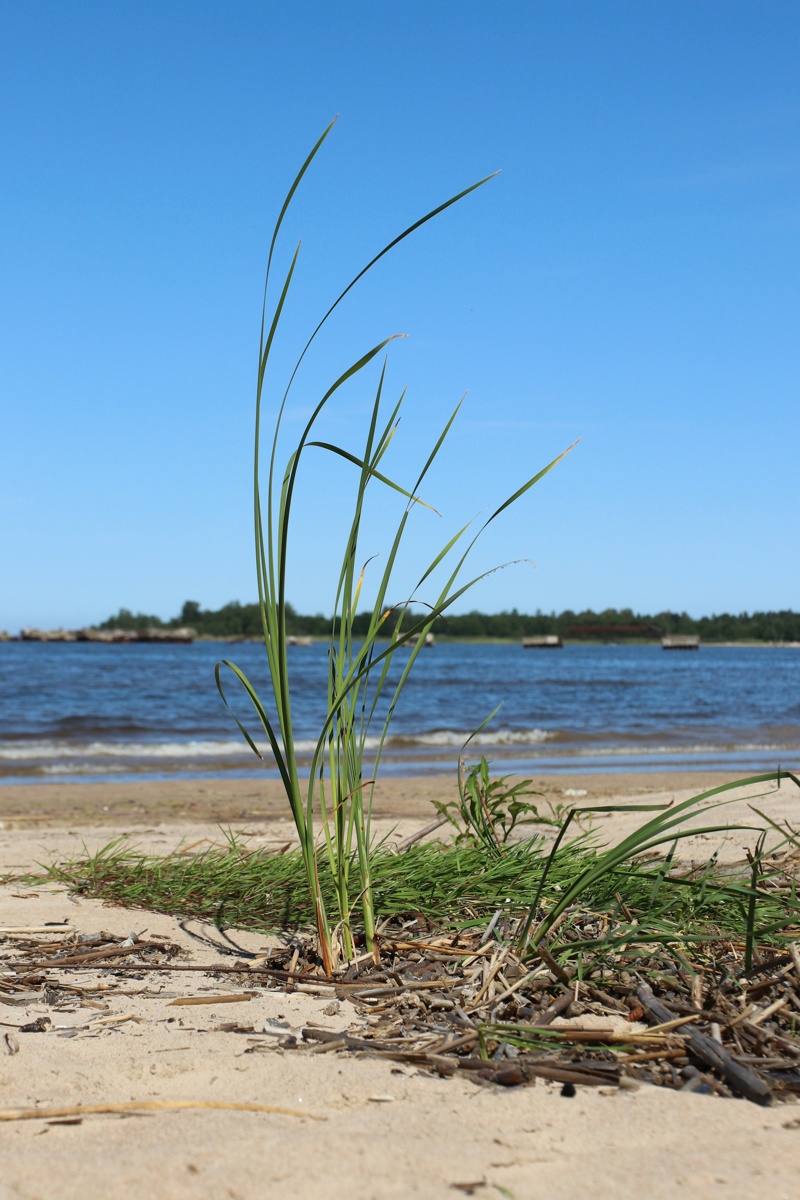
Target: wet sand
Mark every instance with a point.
(225, 800)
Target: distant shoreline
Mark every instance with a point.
(441, 640)
(610, 625)
(243, 622)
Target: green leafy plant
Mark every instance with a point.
(489, 810)
(332, 809)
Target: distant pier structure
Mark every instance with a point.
(680, 641)
(612, 633)
(543, 641)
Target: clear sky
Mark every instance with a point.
(631, 278)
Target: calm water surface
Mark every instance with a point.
(82, 710)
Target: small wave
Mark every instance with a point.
(64, 770)
(309, 745)
(69, 757)
(21, 751)
(457, 737)
(640, 751)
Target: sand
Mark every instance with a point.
(387, 1130)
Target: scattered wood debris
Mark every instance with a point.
(448, 1002)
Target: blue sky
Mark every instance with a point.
(631, 278)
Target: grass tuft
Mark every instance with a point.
(457, 886)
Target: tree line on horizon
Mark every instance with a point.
(236, 620)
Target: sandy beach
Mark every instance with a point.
(357, 1127)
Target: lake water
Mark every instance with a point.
(72, 711)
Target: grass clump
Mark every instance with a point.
(582, 900)
(450, 885)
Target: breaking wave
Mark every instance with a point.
(41, 751)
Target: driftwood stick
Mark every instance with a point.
(88, 959)
(740, 1078)
(544, 954)
(48, 1113)
(559, 1005)
(353, 988)
(422, 833)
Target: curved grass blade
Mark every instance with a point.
(656, 832)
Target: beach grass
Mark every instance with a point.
(359, 663)
(580, 898)
(451, 886)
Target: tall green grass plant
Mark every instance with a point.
(332, 809)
